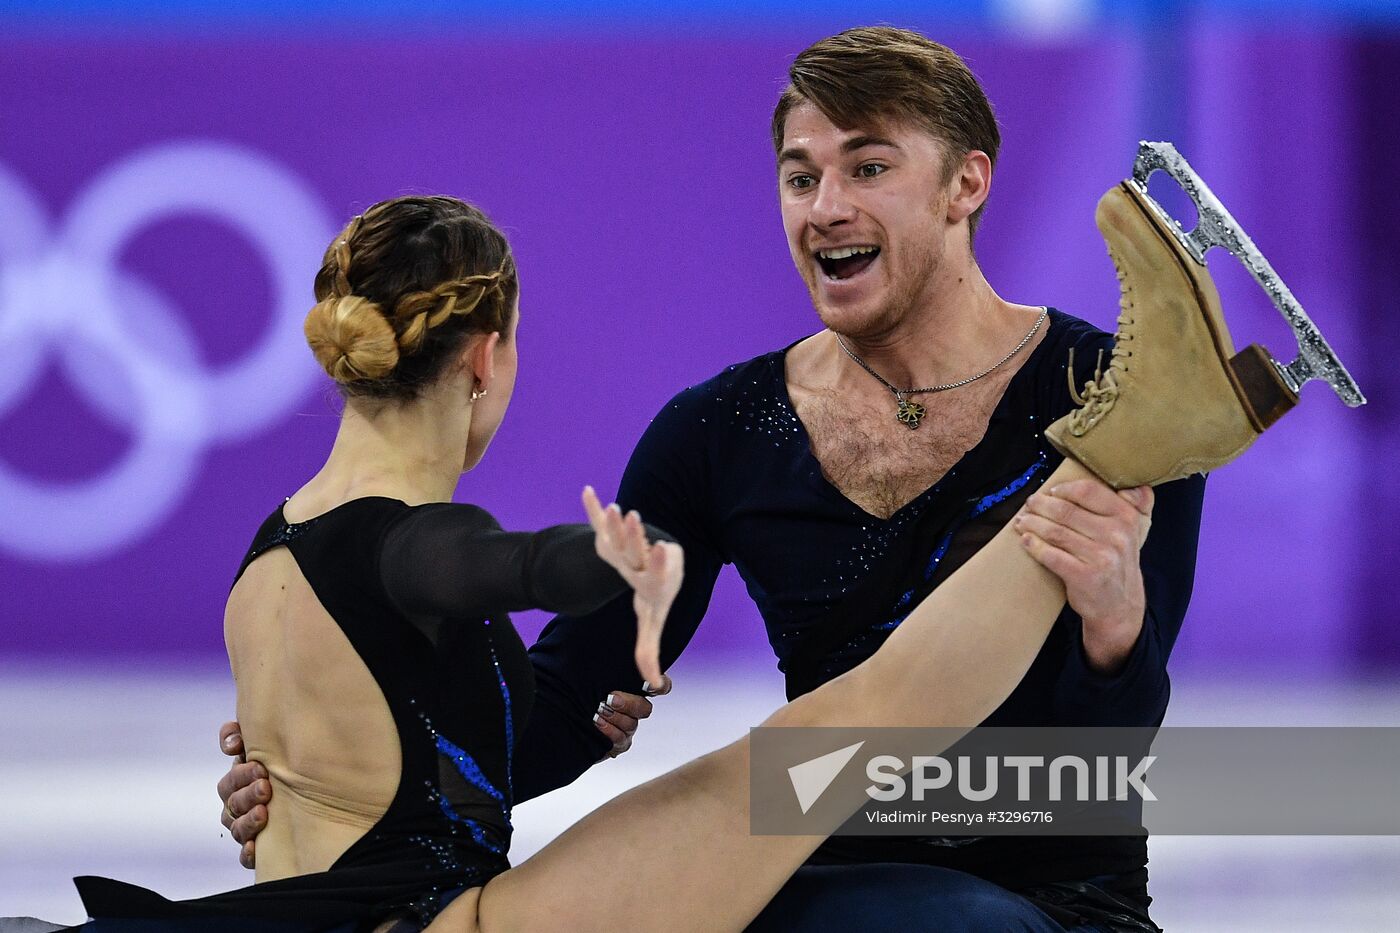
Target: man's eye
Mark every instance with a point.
(800, 181)
(871, 169)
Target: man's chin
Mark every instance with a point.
(853, 319)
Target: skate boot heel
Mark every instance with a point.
(1266, 395)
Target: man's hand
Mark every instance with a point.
(1089, 536)
(618, 715)
(245, 791)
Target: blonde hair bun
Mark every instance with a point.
(352, 339)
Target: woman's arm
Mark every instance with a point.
(455, 561)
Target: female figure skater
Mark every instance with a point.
(382, 685)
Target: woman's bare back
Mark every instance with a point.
(312, 713)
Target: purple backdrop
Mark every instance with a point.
(161, 202)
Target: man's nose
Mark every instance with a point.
(833, 205)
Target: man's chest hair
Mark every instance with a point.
(879, 463)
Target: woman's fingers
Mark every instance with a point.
(622, 539)
(673, 559)
(660, 570)
(652, 603)
(594, 508)
(635, 537)
(603, 527)
(669, 560)
(617, 533)
(658, 688)
(607, 522)
(653, 571)
(619, 539)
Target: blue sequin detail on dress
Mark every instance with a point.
(478, 834)
(510, 730)
(1019, 483)
(469, 770)
(982, 505)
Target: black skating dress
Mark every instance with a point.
(422, 594)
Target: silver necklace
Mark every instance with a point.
(911, 413)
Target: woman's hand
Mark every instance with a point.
(652, 570)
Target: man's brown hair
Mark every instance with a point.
(880, 72)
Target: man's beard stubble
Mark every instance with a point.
(902, 296)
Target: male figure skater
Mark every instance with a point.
(846, 475)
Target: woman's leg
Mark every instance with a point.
(676, 853)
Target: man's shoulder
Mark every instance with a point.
(1070, 336)
(1070, 331)
(695, 432)
(761, 371)
(757, 377)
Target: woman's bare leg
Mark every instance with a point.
(676, 853)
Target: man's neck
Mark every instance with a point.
(957, 330)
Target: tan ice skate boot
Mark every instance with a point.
(1176, 399)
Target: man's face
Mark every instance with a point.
(865, 211)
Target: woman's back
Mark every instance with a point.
(381, 684)
(313, 714)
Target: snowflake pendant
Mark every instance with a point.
(910, 413)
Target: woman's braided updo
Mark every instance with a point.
(400, 289)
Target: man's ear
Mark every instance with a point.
(481, 360)
(970, 186)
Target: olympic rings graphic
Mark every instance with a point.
(128, 352)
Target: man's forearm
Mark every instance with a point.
(556, 747)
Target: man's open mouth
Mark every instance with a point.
(846, 261)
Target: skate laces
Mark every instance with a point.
(1101, 392)
(1096, 399)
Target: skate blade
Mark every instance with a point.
(1215, 227)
